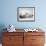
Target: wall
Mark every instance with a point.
(8, 13)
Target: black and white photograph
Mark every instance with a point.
(26, 13)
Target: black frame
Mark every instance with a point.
(25, 20)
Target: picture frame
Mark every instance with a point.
(25, 14)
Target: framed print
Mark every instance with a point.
(26, 14)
